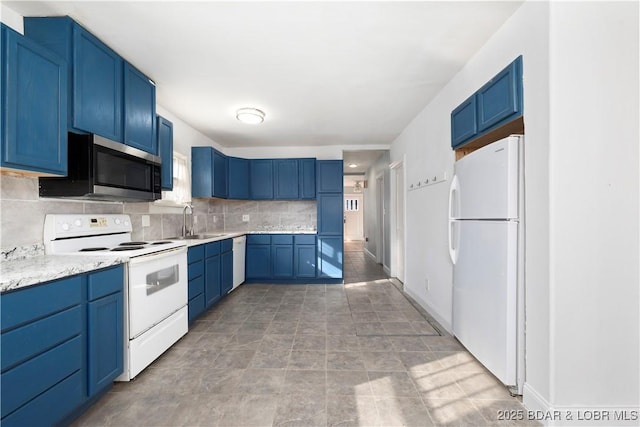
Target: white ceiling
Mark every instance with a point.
(325, 73)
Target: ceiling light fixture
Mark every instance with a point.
(353, 165)
(357, 188)
(251, 116)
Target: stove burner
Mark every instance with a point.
(133, 243)
(93, 249)
(127, 248)
(162, 242)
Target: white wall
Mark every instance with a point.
(581, 181)
(325, 152)
(595, 356)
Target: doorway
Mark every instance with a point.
(353, 217)
(397, 220)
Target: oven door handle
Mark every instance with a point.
(158, 255)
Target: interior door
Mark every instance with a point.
(485, 294)
(353, 217)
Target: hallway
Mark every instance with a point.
(358, 266)
(359, 354)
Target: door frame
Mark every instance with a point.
(380, 214)
(398, 176)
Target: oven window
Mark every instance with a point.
(117, 170)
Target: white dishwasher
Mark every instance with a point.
(239, 249)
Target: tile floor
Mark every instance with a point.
(306, 355)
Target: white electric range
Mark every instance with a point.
(155, 294)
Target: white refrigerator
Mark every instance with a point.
(486, 242)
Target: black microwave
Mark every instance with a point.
(101, 169)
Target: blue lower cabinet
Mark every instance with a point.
(226, 265)
(258, 261)
(104, 317)
(59, 353)
(195, 258)
(282, 261)
(212, 274)
(330, 257)
(305, 261)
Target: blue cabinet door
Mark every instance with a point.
(238, 178)
(139, 110)
(330, 214)
(308, 179)
(227, 271)
(165, 151)
(329, 176)
(258, 262)
(97, 86)
(261, 179)
(282, 261)
(105, 351)
(501, 98)
(34, 106)
(305, 261)
(212, 285)
(464, 122)
(201, 171)
(220, 167)
(286, 182)
(330, 257)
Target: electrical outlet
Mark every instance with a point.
(245, 218)
(426, 284)
(146, 221)
(215, 219)
(195, 219)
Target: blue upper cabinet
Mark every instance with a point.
(139, 110)
(501, 97)
(308, 179)
(330, 214)
(34, 106)
(208, 173)
(329, 176)
(165, 151)
(464, 122)
(220, 173)
(261, 179)
(238, 178)
(497, 103)
(95, 75)
(286, 182)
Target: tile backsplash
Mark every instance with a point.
(22, 214)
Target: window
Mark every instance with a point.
(351, 205)
(181, 193)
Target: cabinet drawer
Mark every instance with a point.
(105, 282)
(196, 286)
(196, 269)
(258, 239)
(37, 375)
(51, 406)
(305, 239)
(226, 245)
(196, 253)
(212, 249)
(27, 341)
(282, 239)
(18, 307)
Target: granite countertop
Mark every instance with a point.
(23, 272)
(222, 235)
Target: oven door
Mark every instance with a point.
(157, 288)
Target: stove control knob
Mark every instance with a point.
(78, 223)
(65, 226)
(126, 223)
(117, 221)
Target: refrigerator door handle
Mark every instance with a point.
(453, 198)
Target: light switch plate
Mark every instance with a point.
(146, 221)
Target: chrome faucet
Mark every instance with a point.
(186, 232)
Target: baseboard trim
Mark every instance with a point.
(370, 255)
(539, 409)
(429, 309)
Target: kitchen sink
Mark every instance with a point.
(197, 237)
